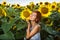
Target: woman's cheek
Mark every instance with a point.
(34, 17)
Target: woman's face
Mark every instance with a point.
(33, 16)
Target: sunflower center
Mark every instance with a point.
(41, 3)
(26, 14)
(0, 4)
(53, 6)
(37, 4)
(4, 2)
(46, 3)
(44, 10)
(18, 5)
(13, 5)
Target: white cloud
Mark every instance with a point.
(25, 2)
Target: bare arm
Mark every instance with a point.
(28, 30)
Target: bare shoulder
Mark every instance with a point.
(38, 25)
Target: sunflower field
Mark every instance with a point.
(13, 25)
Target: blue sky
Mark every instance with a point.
(25, 2)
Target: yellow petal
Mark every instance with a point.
(25, 14)
(44, 10)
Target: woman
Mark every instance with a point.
(33, 30)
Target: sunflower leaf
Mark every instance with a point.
(7, 36)
(7, 25)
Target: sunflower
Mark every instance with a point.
(18, 6)
(32, 5)
(2, 12)
(13, 6)
(58, 4)
(54, 6)
(48, 22)
(59, 10)
(47, 4)
(44, 10)
(41, 3)
(37, 3)
(58, 29)
(4, 3)
(25, 14)
(8, 5)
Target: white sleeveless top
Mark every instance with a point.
(36, 36)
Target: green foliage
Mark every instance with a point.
(19, 32)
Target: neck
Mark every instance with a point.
(33, 23)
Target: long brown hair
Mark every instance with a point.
(38, 15)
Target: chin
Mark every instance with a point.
(31, 19)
